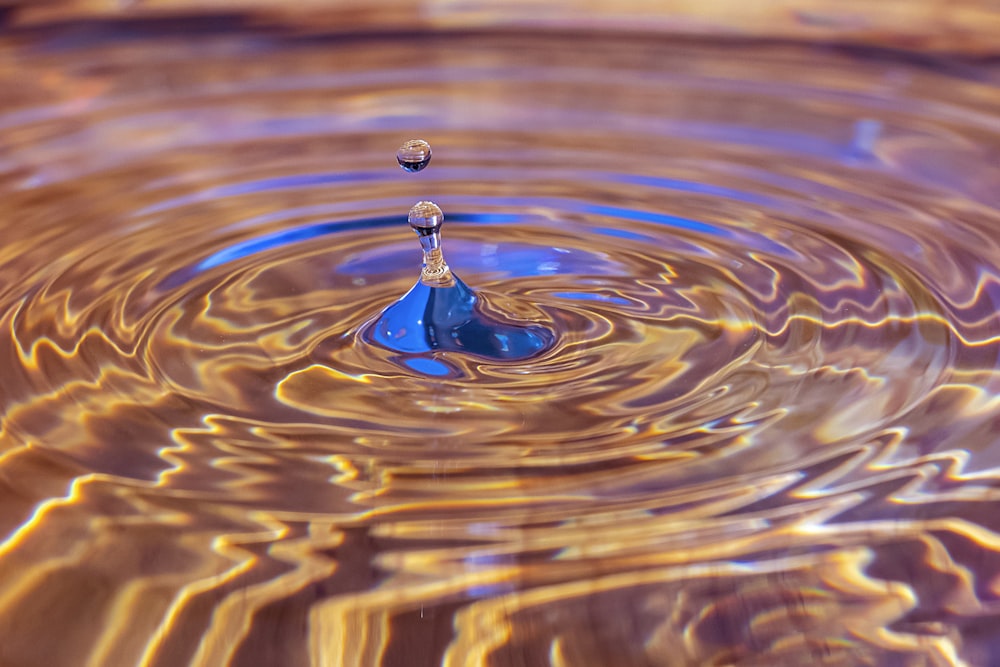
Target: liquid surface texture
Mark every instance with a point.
(765, 431)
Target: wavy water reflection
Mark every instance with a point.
(765, 431)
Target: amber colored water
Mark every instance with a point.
(766, 432)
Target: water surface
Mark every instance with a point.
(766, 430)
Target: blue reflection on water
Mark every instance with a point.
(656, 219)
(427, 366)
(294, 235)
(592, 296)
(690, 186)
(451, 319)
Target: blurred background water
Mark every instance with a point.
(764, 428)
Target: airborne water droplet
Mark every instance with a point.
(425, 218)
(414, 155)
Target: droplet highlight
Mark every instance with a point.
(414, 155)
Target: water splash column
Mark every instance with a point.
(440, 312)
(425, 219)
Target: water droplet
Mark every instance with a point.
(425, 218)
(414, 155)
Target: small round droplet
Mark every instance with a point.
(426, 218)
(414, 155)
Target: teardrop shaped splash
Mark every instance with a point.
(429, 318)
(441, 313)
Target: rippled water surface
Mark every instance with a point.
(766, 430)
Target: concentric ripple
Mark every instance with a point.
(765, 432)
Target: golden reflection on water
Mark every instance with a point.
(766, 433)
